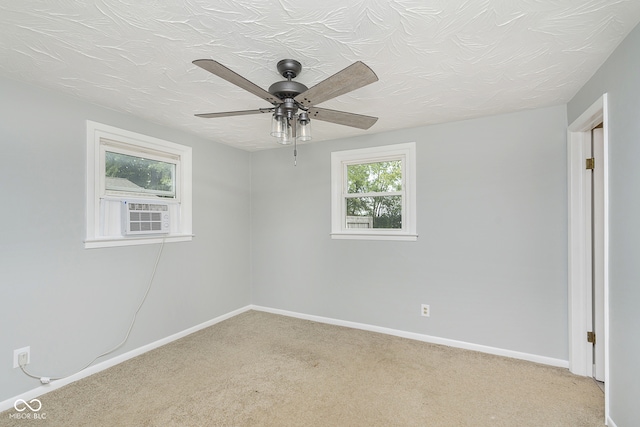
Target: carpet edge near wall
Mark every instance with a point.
(44, 389)
(94, 369)
(544, 360)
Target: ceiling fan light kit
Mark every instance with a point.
(303, 130)
(294, 103)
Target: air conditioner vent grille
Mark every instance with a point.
(145, 218)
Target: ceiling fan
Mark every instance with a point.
(294, 105)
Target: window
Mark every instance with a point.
(373, 193)
(132, 174)
(123, 166)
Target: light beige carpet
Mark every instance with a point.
(260, 369)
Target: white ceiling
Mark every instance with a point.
(437, 61)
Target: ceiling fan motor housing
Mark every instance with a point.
(289, 69)
(287, 89)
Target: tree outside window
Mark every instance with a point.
(374, 195)
(134, 174)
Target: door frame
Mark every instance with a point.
(580, 359)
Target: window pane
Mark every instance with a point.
(132, 174)
(376, 177)
(374, 212)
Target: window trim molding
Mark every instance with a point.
(121, 138)
(339, 161)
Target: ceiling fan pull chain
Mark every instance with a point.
(295, 151)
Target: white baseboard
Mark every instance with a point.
(420, 337)
(43, 389)
(39, 391)
(610, 423)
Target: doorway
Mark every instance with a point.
(588, 244)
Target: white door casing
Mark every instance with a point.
(579, 248)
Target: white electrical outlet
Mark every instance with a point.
(21, 356)
(424, 310)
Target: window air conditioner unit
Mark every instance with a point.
(145, 218)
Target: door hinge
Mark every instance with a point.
(591, 337)
(590, 163)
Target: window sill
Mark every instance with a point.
(374, 236)
(132, 241)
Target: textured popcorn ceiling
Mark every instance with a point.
(437, 61)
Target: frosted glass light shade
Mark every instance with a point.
(278, 126)
(304, 130)
(287, 136)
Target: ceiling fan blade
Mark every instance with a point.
(351, 78)
(342, 118)
(214, 67)
(234, 113)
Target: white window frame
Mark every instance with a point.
(102, 138)
(406, 153)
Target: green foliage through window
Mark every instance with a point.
(132, 174)
(373, 194)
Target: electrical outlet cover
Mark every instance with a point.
(19, 351)
(424, 310)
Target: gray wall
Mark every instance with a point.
(69, 303)
(491, 257)
(620, 78)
